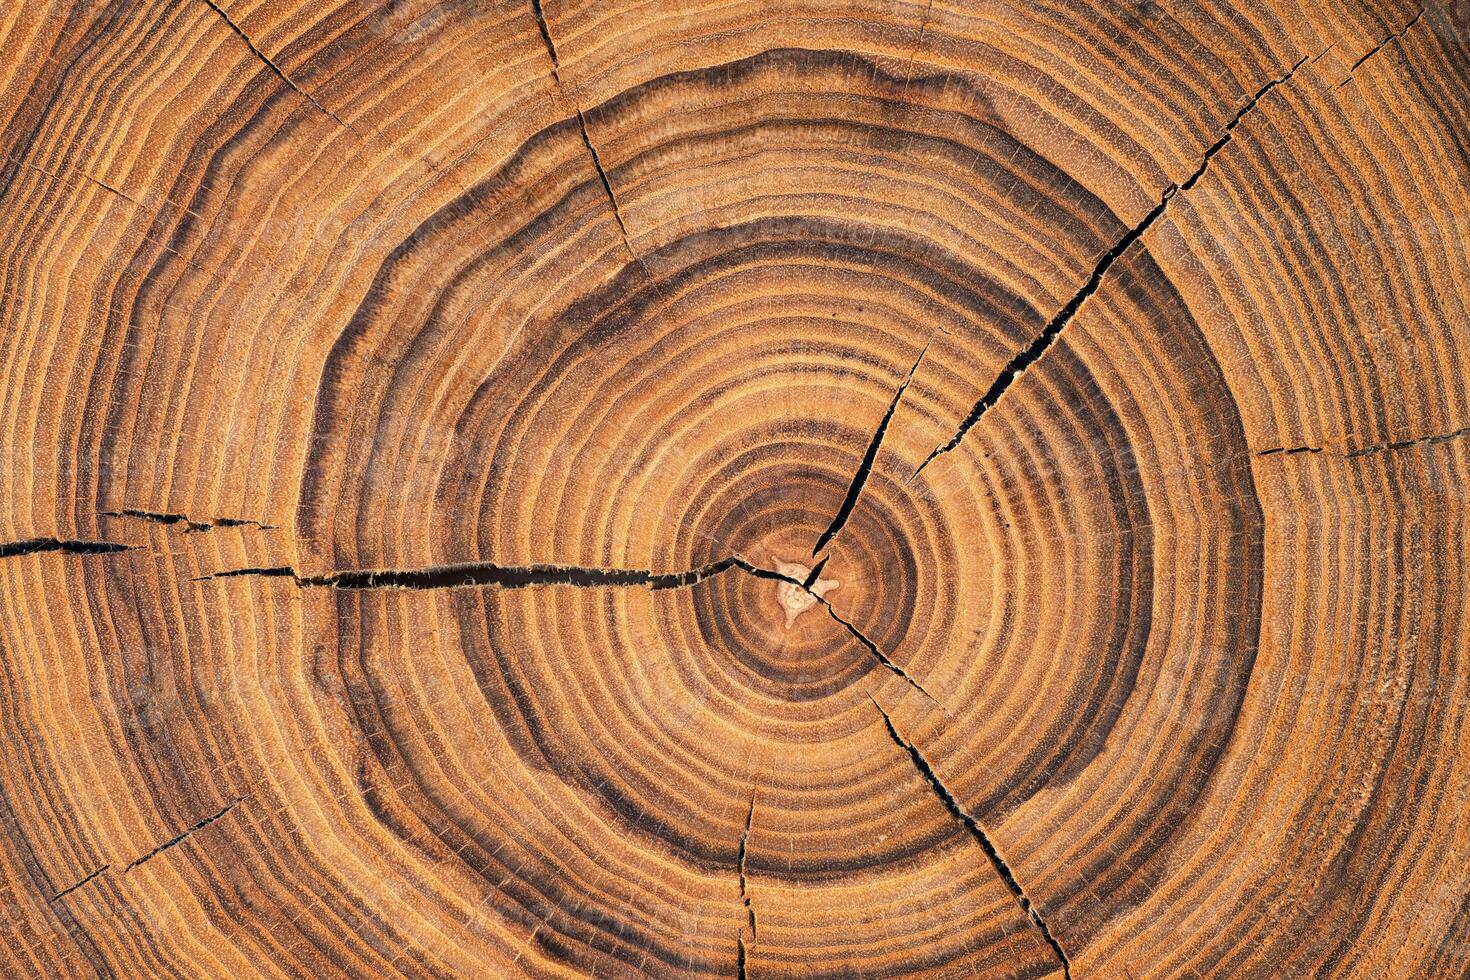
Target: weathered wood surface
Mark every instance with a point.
(422, 422)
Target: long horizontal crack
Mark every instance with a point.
(486, 573)
(1033, 351)
(986, 844)
(521, 576)
(71, 888)
(275, 69)
(36, 545)
(1380, 46)
(1433, 440)
(1289, 450)
(865, 468)
(167, 518)
(175, 841)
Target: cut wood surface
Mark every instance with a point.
(836, 488)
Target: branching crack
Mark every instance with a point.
(865, 468)
(36, 545)
(1033, 352)
(1407, 443)
(486, 573)
(164, 517)
(272, 65)
(71, 888)
(175, 841)
(1380, 46)
(986, 844)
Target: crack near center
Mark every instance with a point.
(485, 573)
(865, 468)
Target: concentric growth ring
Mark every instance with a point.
(667, 490)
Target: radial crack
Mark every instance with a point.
(1380, 46)
(71, 888)
(740, 867)
(167, 518)
(541, 25)
(175, 841)
(952, 804)
(1033, 351)
(108, 187)
(272, 65)
(856, 633)
(607, 187)
(1433, 440)
(865, 468)
(815, 574)
(36, 545)
(1289, 450)
(878, 654)
(485, 573)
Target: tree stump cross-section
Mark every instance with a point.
(833, 488)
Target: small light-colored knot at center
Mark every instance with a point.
(794, 598)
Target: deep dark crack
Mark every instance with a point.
(952, 804)
(175, 841)
(33, 546)
(1396, 35)
(865, 468)
(1033, 351)
(1289, 450)
(171, 519)
(464, 574)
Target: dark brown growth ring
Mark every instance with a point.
(829, 489)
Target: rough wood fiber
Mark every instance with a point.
(822, 489)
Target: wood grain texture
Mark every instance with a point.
(838, 488)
